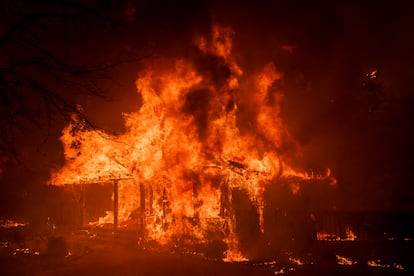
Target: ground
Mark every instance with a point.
(84, 254)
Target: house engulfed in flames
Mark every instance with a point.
(205, 139)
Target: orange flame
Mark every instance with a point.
(187, 144)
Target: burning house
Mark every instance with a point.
(203, 159)
(280, 143)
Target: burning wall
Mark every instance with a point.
(205, 129)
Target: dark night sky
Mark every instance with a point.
(325, 105)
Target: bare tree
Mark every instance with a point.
(46, 61)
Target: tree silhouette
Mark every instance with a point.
(44, 63)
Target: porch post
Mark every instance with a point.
(115, 204)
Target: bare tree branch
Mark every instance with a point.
(37, 75)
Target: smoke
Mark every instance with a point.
(196, 104)
(324, 105)
(321, 50)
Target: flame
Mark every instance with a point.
(296, 261)
(11, 224)
(188, 146)
(349, 235)
(379, 263)
(344, 260)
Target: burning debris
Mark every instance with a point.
(11, 224)
(349, 235)
(381, 264)
(204, 138)
(345, 260)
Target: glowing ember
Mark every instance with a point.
(188, 147)
(296, 261)
(344, 260)
(234, 257)
(323, 236)
(11, 224)
(281, 271)
(350, 235)
(378, 263)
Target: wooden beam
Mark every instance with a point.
(115, 204)
(142, 210)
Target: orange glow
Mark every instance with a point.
(378, 263)
(186, 147)
(350, 235)
(344, 260)
(323, 236)
(11, 224)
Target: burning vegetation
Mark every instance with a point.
(199, 153)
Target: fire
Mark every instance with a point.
(188, 146)
(11, 224)
(378, 263)
(349, 235)
(345, 261)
